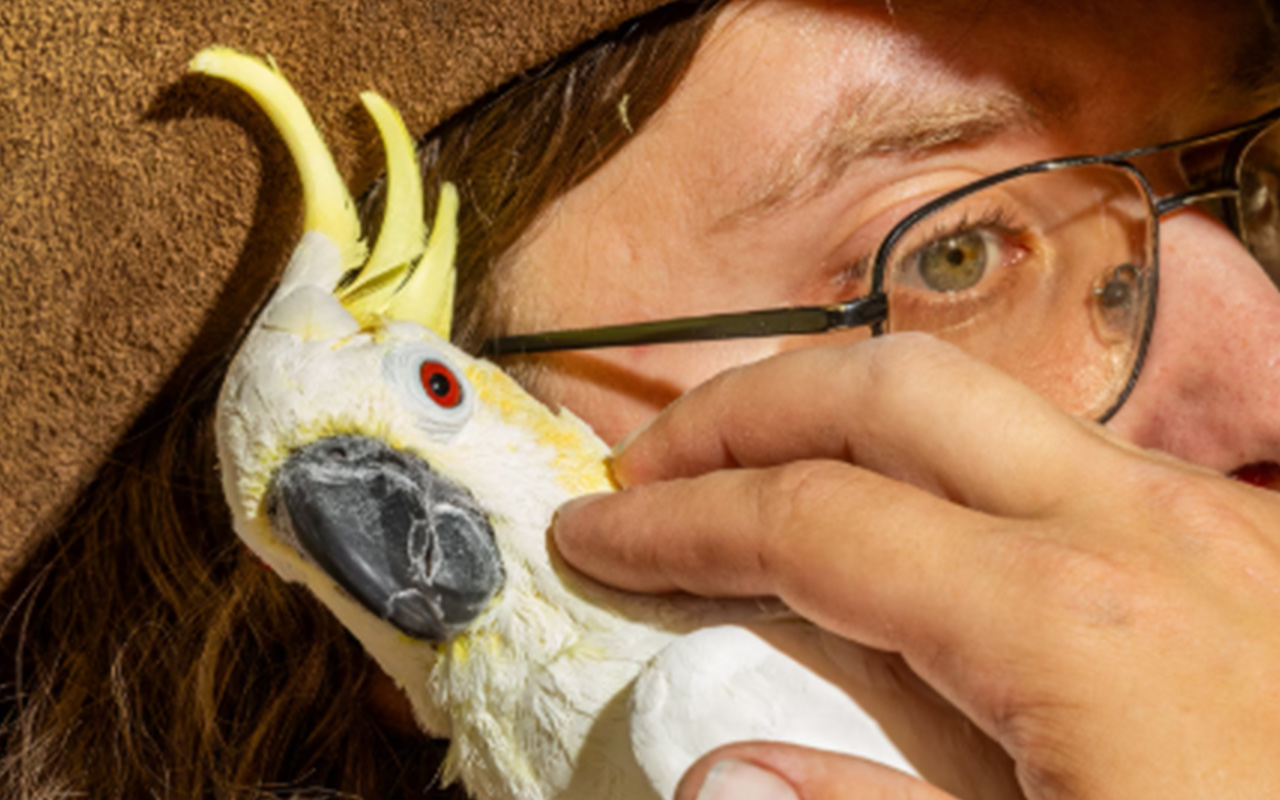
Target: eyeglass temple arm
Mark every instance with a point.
(856, 313)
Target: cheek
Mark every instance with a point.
(616, 391)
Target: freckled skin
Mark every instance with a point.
(1058, 583)
(641, 238)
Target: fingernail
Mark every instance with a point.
(581, 501)
(615, 462)
(737, 780)
(569, 508)
(626, 441)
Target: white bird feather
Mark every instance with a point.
(558, 687)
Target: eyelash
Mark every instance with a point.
(1001, 220)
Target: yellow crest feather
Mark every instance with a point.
(406, 277)
(427, 295)
(329, 208)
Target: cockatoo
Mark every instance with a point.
(410, 487)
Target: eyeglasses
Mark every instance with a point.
(1048, 270)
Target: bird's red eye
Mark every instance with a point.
(441, 384)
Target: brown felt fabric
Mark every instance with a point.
(130, 194)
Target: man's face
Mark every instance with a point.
(803, 126)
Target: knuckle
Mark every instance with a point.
(1205, 512)
(1209, 524)
(789, 494)
(906, 369)
(1090, 597)
(898, 356)
(1079, 586)
(911, 344)
(794, 499)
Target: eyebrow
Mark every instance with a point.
(878, 121)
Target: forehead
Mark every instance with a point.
(809, 87)
(802, 126)
(1033, 45)
(791, 100)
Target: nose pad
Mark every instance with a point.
(1210, 389)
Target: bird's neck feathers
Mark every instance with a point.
(529, 687)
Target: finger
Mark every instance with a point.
(906, 406)
(767, 771)
(871, 559)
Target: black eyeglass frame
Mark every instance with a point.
(872, 309)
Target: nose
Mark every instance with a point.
(1210, 389)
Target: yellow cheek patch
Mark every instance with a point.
(578, 471)
(459, 649)
(580, 460)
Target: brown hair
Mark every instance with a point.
(150, 654)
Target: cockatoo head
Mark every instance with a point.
(361, 453)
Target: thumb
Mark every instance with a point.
(768, 771)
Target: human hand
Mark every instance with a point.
(1109, 616)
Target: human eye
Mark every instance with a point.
(948, 252)
(958, 254)
(975, 261)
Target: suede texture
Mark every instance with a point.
(144, 212)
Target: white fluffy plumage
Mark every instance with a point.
(559, 687)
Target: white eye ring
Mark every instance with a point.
(436, 390)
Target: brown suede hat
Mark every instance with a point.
(142, 210)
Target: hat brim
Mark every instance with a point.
(145, 211)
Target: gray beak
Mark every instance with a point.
(410, 545)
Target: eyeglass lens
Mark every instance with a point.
(1258, 207)
(1048, 275)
